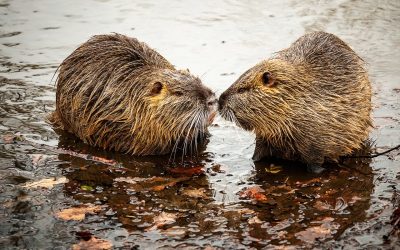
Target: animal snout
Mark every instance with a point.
(212, 101)
(222, 100)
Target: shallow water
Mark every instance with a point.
(205, 206)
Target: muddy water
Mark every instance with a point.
(150, 202)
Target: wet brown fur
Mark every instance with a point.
(316, 106)
(116, 93)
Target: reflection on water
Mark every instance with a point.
(219, 198)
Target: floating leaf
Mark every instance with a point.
(11, 138)
(323, 231)
(8, 138)
(254, 220)
(40, 159)
(92, 244)
(163, 219)
(152, 183)
(46, 183)
(195, 193)
(245, 211)
(77, 213)
(131, 180)
(313, 233)
(188, 171)
(254, 193)
(321, 206)
(175, 231)
(272, 169)
(87, 188)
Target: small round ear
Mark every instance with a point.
(156, 89)
(268, 80)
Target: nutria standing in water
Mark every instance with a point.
(310, 102)
(116, 93)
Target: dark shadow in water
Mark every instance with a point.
(304, 207)
(298, 207)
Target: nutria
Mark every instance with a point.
(310, 102)
(117, 93)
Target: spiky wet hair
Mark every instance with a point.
(117, 93)
(309, 102)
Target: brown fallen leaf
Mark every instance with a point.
(246, 211)
(77, 213)
(103, 160)
(309, 183)
(131, 180)
(254, 220)
(92, 244)
(175, 231)
(40, 159)
(323, 231)
(9, 138)
(188, 171)
(162, 187)
(254, 193)
(272, 169)
(311, 234)
(46, 183)
(12, 138)
(322, 206)
(162, 219)
(167, 182)
(153, 183)
(195, 193)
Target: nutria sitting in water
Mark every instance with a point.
(116, 93)
(310, 102)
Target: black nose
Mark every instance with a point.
(222, 100)
(212, 101)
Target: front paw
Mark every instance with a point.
(257, 156)
(259, 153)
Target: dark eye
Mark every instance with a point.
(266, 77)
(156, 89)
(242, 90)
(178, 93)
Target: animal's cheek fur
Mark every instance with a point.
(273, 90)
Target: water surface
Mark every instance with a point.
(209, 205)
